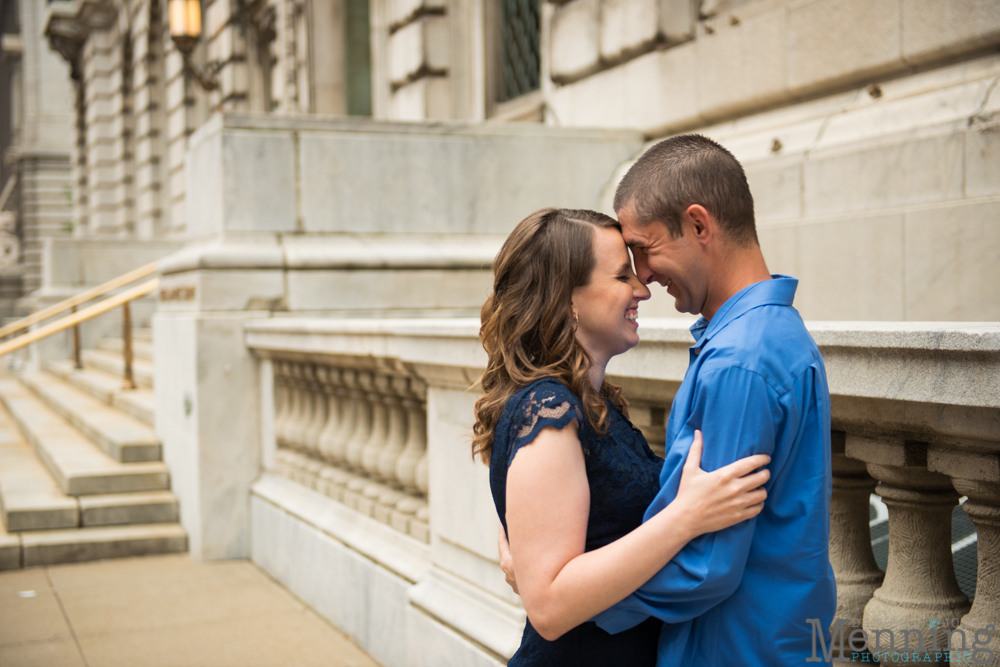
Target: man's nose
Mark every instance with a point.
(642, 270)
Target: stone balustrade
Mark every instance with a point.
(356, 435)
(376, 415)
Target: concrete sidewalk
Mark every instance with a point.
(162, 611)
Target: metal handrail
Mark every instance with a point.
(81, 298)
(122, 299)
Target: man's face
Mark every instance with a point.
(676, 263)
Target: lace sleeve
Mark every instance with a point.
(549, 404)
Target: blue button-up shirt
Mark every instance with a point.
(755, 385)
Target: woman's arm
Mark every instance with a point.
(548, 504)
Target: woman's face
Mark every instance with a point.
(608, 306)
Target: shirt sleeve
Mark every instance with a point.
(736, 412)
(548, 404)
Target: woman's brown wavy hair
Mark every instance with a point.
(527, 322)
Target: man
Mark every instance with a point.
(756, 384)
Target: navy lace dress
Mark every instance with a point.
(624, 476)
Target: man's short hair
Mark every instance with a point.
(685, 170)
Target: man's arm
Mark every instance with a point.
(737, 412)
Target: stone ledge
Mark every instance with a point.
(400, 554)
(337, 251)
(490, 622)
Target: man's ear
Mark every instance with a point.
(703, 224)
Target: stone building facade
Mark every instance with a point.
(338, 174)
(866, 129)
(35, 137)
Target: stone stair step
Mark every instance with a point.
(141, 349)
(106, 387)
(46, 547)
(29, 497)
(111, 362)
(122, 436)
(10, 549)
(78, 466)
(129, 508)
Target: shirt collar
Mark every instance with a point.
(779, 291)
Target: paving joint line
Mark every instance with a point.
(69, 624)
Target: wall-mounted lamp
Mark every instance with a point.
(185, 31)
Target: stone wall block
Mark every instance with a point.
(400, 11)
(426, 98)
(175, 152)
(173, 63)
(777, 189)
(911, 170)
(215, 17)
(627, 27)
(837, 42)
(743, 66)
(422, 46)
(141, 98)
(146, 177)
(676, 19)
(982, 160)
(933, 30)
(840, 255)
(655, 90)
(177, 124)
(575, 39)
(148, 203)
(145, 152)
(953, 251)
(176, 93)
(234, 78)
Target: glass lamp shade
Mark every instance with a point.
(185, 23)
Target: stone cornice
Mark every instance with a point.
(336, 251)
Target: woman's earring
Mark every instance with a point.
(576, 318)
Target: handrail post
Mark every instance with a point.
(77, 361)
(127, 344)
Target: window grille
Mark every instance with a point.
(519, 48)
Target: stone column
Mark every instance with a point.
(850, 537)
(920, 592)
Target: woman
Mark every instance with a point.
(570, 476)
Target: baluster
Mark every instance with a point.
(335, 393)
(421, 474)
(395, 436)
(977, 476)
(363, 429)
(851, 554)
(319, 410)
(292, 429)
(305, 414)
(982, 623)
(400, 423)
(354, 398)
(368, 456)
(282, 402)
(416, 438)
(920, 591)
